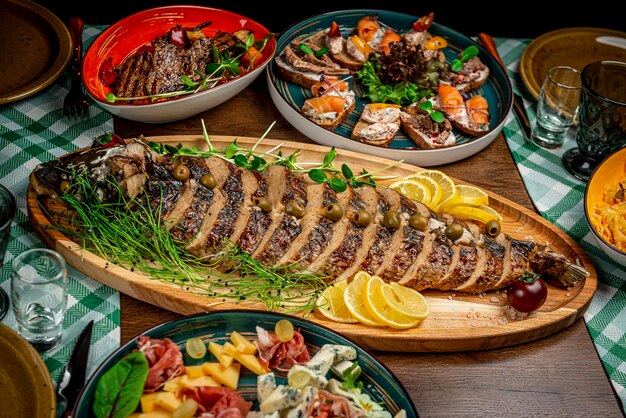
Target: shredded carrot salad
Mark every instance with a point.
(609, 214)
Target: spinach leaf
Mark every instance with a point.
(119, 390)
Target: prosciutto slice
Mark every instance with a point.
(165, 361)
(218, 402)
(279, 355)
(327, 405)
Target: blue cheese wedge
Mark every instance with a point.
(299, 410)
(282, 397)
(265, 385)
(342, 352)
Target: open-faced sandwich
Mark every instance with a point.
(378, 124)
(303, 62)
(332, 102)
(468, 115)
(427, 127)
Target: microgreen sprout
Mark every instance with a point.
(467, 54)
(435, 115)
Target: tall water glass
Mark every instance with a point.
(557, 106)
(39, 296)
(7, 211)
(602, 118)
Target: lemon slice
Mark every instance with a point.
(405, 300)
(448, 187)
(435, 189)
(413, 190)
(353, 298)
(330, 303)
(467, 195)
(482, 214)
(379, 308)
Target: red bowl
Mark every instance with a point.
(125, 37)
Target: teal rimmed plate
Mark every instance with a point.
(289, 97)
(378, 381)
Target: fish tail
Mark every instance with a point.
(549, 263)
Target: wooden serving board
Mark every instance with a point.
(457, 321)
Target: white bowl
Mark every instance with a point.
(125, 37)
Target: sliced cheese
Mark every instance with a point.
(167, 401)
(172, 385)
(242, 344)
(187, 381)
(195, 371)
(250, 361)
(228, 376)
(218, 351)
(148, 402)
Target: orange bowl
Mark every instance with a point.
(125, 37)
(608, 172)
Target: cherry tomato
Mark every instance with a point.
(424, 22)
(527, 293)
(334, 30)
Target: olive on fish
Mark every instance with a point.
(294, 208)
(454, 231)
(493, 228)
(334, 212)
(181, 172)
(263, 204)
(418, 222)
(208, 180)
(392, 219)
(362, 218)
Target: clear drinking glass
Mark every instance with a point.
(39, 296)
(557, 106)
(602, 118)
(7, 212)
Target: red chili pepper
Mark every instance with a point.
(107, 141)
(424, 22)
(107, 74)
(334, 31)
(178, 36)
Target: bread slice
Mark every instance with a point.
(378, 124)
(292, 75)
(413, 126)
(472, 76)
(334, 122)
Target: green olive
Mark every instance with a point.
(208, 180)
(392, 219)
(454, 231)
(64, 186)
(334, 212)
(418, 222)
(263, 204)
(294, 208)
(492, 228)
(181, 172)
(362, 218)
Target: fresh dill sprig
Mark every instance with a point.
(130, 233)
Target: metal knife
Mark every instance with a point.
(518, 103)
(73, 378)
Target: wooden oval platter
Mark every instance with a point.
(457, 321)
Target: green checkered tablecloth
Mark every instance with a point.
(32, 131)
(559, 198)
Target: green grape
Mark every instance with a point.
(284, 330)
(196, 348)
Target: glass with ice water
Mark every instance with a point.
(39, 296)
(557, 106)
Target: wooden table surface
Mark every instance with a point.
(560, 375)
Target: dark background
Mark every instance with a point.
(505, 18)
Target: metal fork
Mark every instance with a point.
(75, 104)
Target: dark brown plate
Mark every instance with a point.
(574, 47)
(36, 49)
(27, 389)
